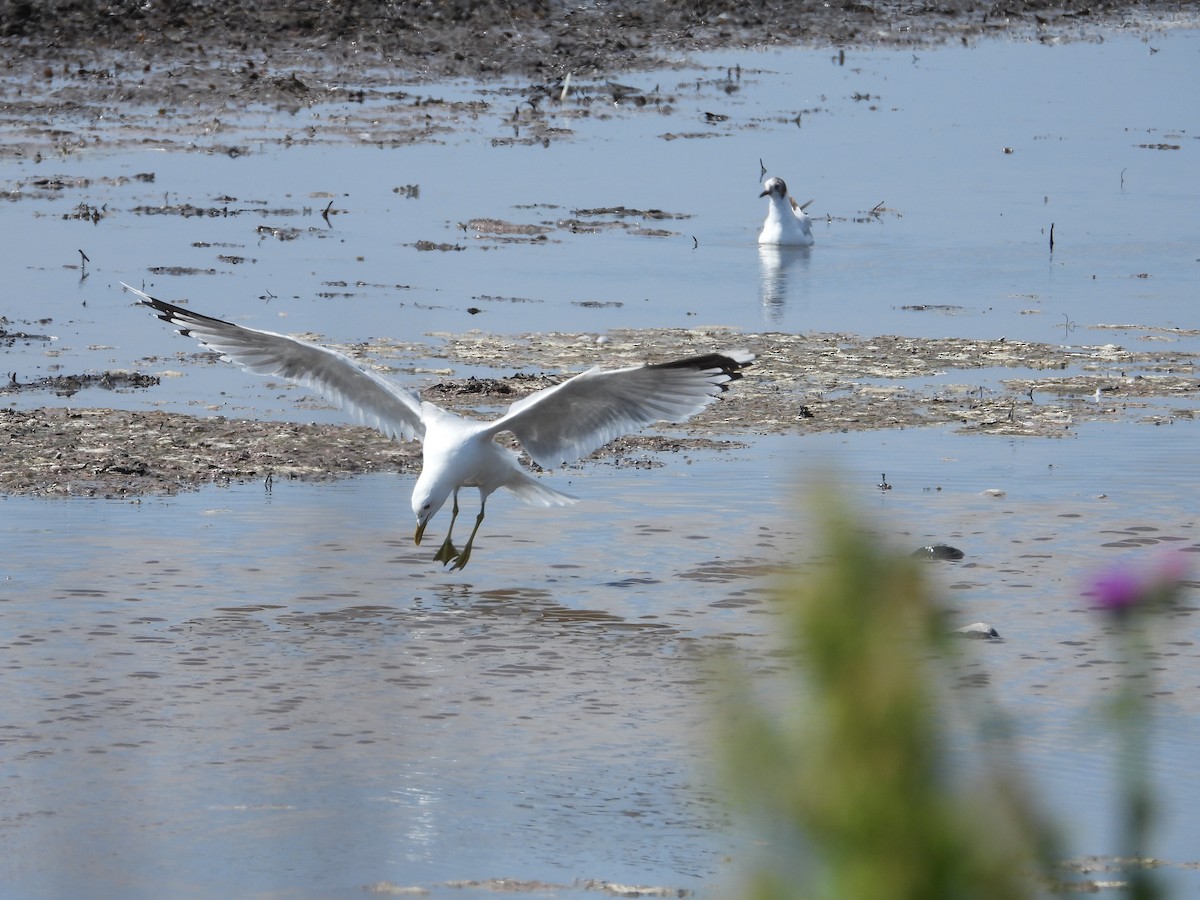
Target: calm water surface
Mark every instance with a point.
(275, 693)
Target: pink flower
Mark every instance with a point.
(1122, 589)
(1117, 590)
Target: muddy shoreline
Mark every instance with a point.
(530, 38)
(800, 384)
(84, 77)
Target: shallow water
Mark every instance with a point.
(250, 692)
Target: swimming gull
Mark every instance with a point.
(786, 222)
(554, 425)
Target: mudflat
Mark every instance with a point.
(82, 77)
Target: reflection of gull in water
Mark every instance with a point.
(786, 222)
(776, 265)
(559, 423)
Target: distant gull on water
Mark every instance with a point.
(554, 425)
(786, 223)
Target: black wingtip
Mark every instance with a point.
(172, 314)
(166, 311)
(728, 364)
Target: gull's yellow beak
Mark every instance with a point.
(420, 532)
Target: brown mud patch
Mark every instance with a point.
(190, 75)
(799, 384)
(116, 453)
(69, 385)
(531, 888)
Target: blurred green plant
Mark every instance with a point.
(849, 771)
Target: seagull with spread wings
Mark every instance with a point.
(554, 425)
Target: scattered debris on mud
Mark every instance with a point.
(118, 453)
(531, 888)
(69, 385)
(799, 384)
(844, 382)
(82, 76)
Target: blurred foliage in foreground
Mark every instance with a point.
(850, 772)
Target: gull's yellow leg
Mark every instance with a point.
(461, 562)
(447, 552)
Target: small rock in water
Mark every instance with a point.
(978, 630)
(938, 551)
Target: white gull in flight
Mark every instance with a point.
(786, 222)
(554, 425)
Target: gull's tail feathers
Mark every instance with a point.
(529, 490)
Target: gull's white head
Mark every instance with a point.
(428, 497)
(774, 188)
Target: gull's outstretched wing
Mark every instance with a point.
(572, 419)
(372, 399)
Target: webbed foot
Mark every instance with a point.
(461, 562)
(447, 553)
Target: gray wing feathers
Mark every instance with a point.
(572, 419)
(373, 400)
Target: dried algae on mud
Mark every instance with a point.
(799, 384)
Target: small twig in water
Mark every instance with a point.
(1051, 237)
